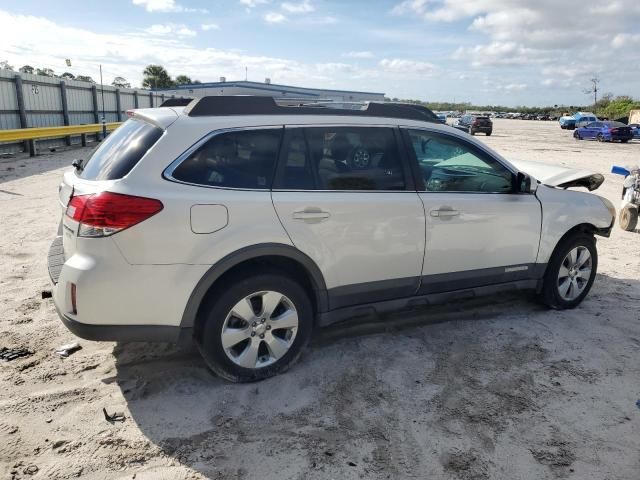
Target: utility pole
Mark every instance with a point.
(104, 125)
(595, 81)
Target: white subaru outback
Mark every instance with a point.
(244, 224)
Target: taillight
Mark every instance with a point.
(106, 213)
(613, 130)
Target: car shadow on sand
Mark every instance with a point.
(351, 406)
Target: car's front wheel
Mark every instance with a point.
(256, 328)
(577, 135)
(570, 272)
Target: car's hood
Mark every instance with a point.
(560, 176)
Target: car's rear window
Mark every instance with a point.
(121, 151)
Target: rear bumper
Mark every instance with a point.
(117, 301)
(126, 333)
(482, 129)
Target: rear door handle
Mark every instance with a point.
(311, 215)
(444, 212)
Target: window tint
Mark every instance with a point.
(342, 158)
(241, 159)
(451, 165)
(121, 151)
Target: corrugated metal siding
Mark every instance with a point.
(81, 118)
(53, 119)
(8, 99)
(42, 97)
(9, 121)
(127, 101)
(79, 100)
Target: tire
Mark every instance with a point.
(249, 341)
(624, 141)
(489, 134)
(600, 138)
(552, 292)
(472, 132)
(577, 136)
(628, 218)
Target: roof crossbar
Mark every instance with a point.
(261, 105)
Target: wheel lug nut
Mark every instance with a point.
(262, 335)
(262, 321)
(254, 324)
(253, 334)
(268, 327)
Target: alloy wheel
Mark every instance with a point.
(574, 273)
(260, 329)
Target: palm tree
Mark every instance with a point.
(155, 76)
(183, 80)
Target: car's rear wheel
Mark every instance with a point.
(628, 218)
(624, 141)
(489, 134)
(256, 328)
(570, 272)
(577, 135)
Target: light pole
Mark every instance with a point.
(104, 125)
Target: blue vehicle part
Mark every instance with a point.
(620, 171)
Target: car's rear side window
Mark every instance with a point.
(341, 158)
(234, 159)
(121, 151)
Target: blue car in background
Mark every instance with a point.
(635, 129)
(604, 131)
(567, 122)
(442, 117)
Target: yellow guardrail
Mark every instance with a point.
(20, 134)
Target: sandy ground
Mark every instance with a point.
(494, 389)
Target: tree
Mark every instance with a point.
(47, 72)
(196, 82)
(155, 76)
(68, 76)
(26, 69)
(183, 80)
(5, 64)
(120, 82)
(85, 78)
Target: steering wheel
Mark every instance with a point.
(360, 158)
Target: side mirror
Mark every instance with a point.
(522, 183)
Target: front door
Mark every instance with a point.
(478, 232)
(345, 196)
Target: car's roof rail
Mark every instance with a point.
(260, 105)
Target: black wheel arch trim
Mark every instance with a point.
(244, 254)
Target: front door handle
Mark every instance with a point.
(444, 212)
(311, 215)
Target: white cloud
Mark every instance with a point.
(358, 54)
(542, 33)
(209, 26)
(170, 29)
(300, 7)
(166, 6)
(625, 40)
(408, 67)
(249, 4)
(42, 42)
(274, 17)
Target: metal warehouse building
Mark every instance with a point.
(268, 89)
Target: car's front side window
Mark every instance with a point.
(448, 164)
(341, 158)
(234, 159)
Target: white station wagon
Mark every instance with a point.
(244, 224)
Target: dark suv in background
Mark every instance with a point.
(476, 124)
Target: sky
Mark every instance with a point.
(507, 52)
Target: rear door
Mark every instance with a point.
(478, 232)
(346, 198)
